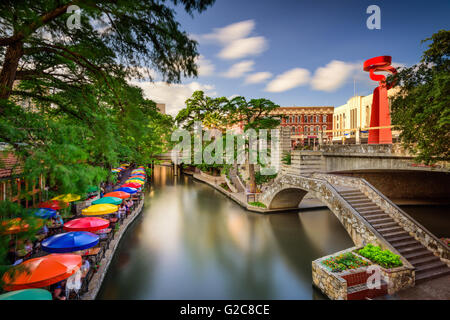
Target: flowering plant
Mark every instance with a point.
(343, 262)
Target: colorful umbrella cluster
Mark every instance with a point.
(59, 264)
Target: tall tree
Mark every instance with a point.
(212, 112)
(421, 108)
(254, 114)
(36, 40)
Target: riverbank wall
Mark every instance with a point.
(96, 282)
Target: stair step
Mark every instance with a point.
(411, 249)
(369, 209)
(372, 213)
(393, 235)
(405, 243)
(380, 216)
(351, 192)
(418, 254)
(384, 225)
(361, 196)
(425, 260)
(359, 201)
(389, 229)
(432, 274)
(401, 238)
(375, 220)
(430, 266)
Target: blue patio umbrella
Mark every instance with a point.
(45, 213)
(127, 190)
(70, 242)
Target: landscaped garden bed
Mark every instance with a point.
(343, 262)
(257, 204)
(383, 258)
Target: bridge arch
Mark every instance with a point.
(288, 197)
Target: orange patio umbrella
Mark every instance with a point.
(41, 272)
(118, 194)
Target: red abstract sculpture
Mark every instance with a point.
(380, 116)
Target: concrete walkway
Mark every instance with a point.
(436, 289)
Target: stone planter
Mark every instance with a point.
(349, 284)
(397, 278)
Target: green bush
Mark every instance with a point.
(287, 158)
(384, 258)
(257, 204)
(263, 178)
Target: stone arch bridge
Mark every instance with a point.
(368, 216)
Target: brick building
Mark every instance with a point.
(13, 187)
(306, 123)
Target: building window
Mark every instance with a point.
(324, 128)
(324, 118)
(293, 130)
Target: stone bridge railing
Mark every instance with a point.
(360, 231)
(420, 233)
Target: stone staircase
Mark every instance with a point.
(310, 163)
(427, 265)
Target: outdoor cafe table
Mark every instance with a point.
(55, 229)
(105, 236)
(91, 253)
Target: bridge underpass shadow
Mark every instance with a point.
(308, 235)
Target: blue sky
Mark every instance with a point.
(299, 52)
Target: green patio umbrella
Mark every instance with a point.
(27, 294)
(106, 200)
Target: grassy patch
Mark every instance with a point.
(257, 204)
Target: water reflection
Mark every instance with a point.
(192, 242)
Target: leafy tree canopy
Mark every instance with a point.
(421, 108)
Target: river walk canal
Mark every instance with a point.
(192, 242)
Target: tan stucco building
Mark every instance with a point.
(355, 114)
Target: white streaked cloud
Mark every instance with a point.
(333, 76)
(288, 80)
(243, 48)
(235, 40)
(229, 33)
(257, 77)
(173, 95)
(239, 69)
(205, 66)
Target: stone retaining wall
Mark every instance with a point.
(96, 281)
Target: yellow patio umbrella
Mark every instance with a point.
(137, 181)
(67, 197)
(100, 209)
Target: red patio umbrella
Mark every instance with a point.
(41, 272)
(90, 224)
(131, 185)
(53, 204)
(118, 194)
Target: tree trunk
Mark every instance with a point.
(251, 174)
(8, 74)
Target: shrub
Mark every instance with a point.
(263, 178)
(384, 258)
(287, 158)
(344, 262)
(257, 204)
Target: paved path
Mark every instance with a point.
(436, 289)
